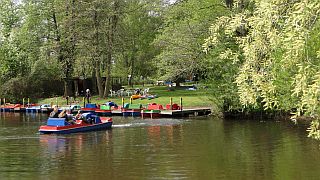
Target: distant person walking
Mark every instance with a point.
(88, 95)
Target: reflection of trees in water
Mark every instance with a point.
(262, 149)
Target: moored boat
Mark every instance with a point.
(104, 110)
(153, 111)
(9, 107)
(32, 108)
(89, 108)
(131, 110)
(61, 126)
(45, 108)
(71, 109)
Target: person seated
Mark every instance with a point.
(78, 116)
(64, 115)
(54, 113)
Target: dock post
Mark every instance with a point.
(122, 102)
(4, 102)
(181, 103)
(84, 102)
(22, 102)
(28, 102)
(130, 100)
(170, 103)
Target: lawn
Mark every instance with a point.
(190, 98)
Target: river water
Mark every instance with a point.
(195, 148)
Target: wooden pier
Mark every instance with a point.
(176, 113)
(186, 112)
(164, 113)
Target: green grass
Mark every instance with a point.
(197, 98)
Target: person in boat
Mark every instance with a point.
(54, 113)
(64, 115)
(78, 116)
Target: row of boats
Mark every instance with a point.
(93, 116)
(108, 109)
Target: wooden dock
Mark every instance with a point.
(176, 113)
(186, 112)
(164, 113)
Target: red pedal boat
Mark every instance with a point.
(61, 126)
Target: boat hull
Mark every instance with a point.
(74, 128)
(88, 110)
(150, 115)
(103, 112)
(132, 112)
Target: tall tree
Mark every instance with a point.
(10, 21)
(64, 20)
(138, 28)
(185, 26)
(112, 27)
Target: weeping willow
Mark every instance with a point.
(279, 40)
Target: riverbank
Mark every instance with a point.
(190, 98)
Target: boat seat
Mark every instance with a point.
(155, 107)
(174, 107)
(91, 106)
(134, 106)
(57, 122)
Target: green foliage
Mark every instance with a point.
(14, 89)
(45, 79)
(138, 28)
(185, 26)
(278, 42)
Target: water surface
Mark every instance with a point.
(195, 148)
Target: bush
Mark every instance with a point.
(15, 89)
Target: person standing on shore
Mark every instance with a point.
(88, 95)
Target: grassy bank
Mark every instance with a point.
(195, 98)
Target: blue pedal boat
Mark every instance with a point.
(61, 126)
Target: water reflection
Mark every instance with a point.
(60, 145)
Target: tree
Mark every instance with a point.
(10, 18)
(280, 70)
(138, 28)
(185, 26)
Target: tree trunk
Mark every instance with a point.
(107, 87)
(97, 54)
(67, 87)
(112, 28)
(99, 80)
(93, 87)
(66, 52)
(132, 69)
